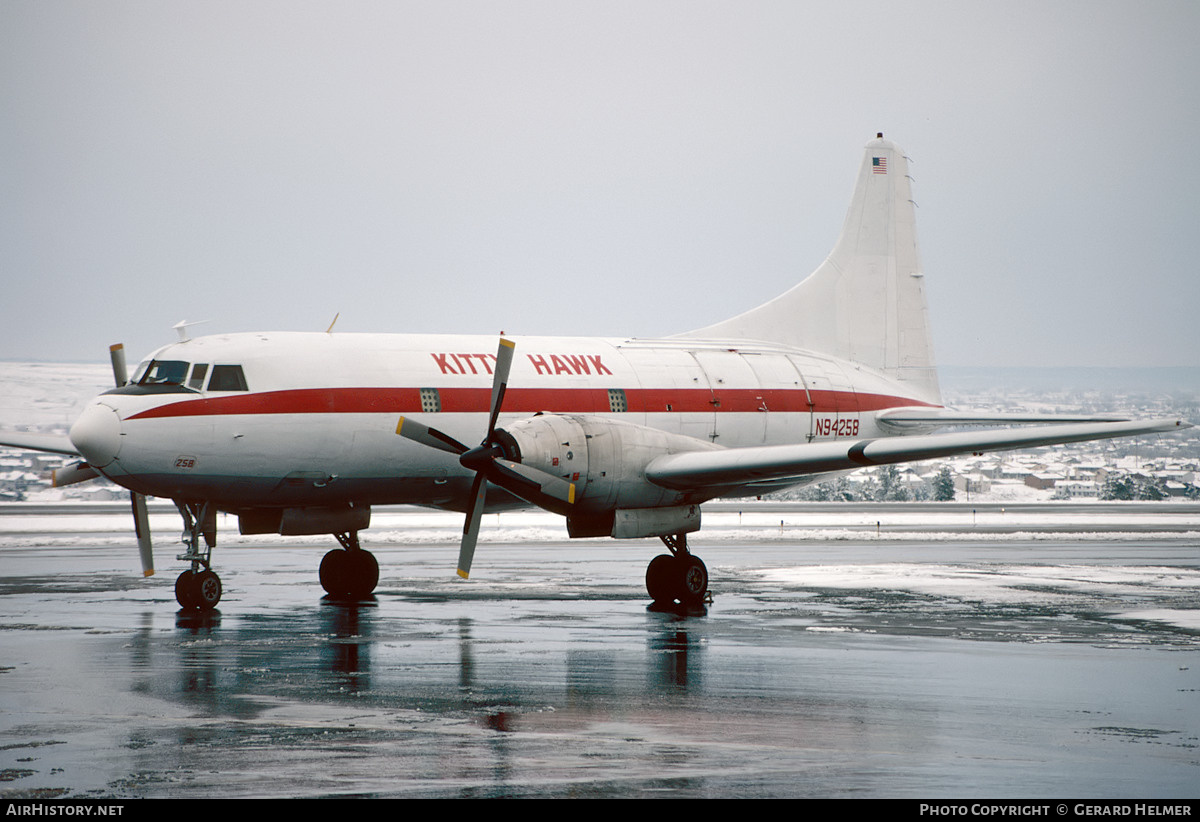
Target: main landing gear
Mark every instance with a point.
(198, 588)
(679, 577)
(349, 572)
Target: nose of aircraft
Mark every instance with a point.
(97, 434)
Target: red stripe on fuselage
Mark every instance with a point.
(528, 401)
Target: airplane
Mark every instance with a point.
(302, 433)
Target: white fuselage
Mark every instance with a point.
(315, 421)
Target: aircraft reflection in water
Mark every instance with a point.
(302, 433)
(257, 665)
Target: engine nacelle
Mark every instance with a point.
(607, 460)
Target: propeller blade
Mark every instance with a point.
(470, 537)
(504, 357)
(116, 353)
(80, 472)
(415, 431)
(527, 482)
(141, 526)
(71, 474)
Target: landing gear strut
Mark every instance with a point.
(199, 587)
(349, 572)
(678, 577)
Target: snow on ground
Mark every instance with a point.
(411, 526)
(1068, 587)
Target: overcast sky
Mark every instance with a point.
(597, 168)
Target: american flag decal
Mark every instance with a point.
(879, 165)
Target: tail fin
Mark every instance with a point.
(866, 302)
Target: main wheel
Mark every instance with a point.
(662, 579)
(361, 573)
(333, 572)
(350, 574)
(693, 580)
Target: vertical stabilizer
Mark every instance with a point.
(866, 302)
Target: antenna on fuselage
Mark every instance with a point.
(182, 326)
(329, 330)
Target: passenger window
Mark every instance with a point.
(227, 378)
(198, 372)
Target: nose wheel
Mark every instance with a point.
(678, 577)
(198, 591)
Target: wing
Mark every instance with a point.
(925, 417)
(38, 442)
(734, 467)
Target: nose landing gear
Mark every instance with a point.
(198, 588)
(200, 591)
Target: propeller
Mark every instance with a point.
(491, 462)
(71, 474)
(141, 520)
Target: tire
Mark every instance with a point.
(360, 573)
(333, 572)
(662, 579)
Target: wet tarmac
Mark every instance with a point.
(1025, 667)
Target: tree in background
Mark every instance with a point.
(890, 488)
(1132, 486)
(943, 485)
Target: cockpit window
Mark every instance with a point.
(198, 372)
(227, 378)
(164, 372)
(139, 372)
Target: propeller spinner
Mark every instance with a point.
(492, 462)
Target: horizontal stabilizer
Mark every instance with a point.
(733, 467)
